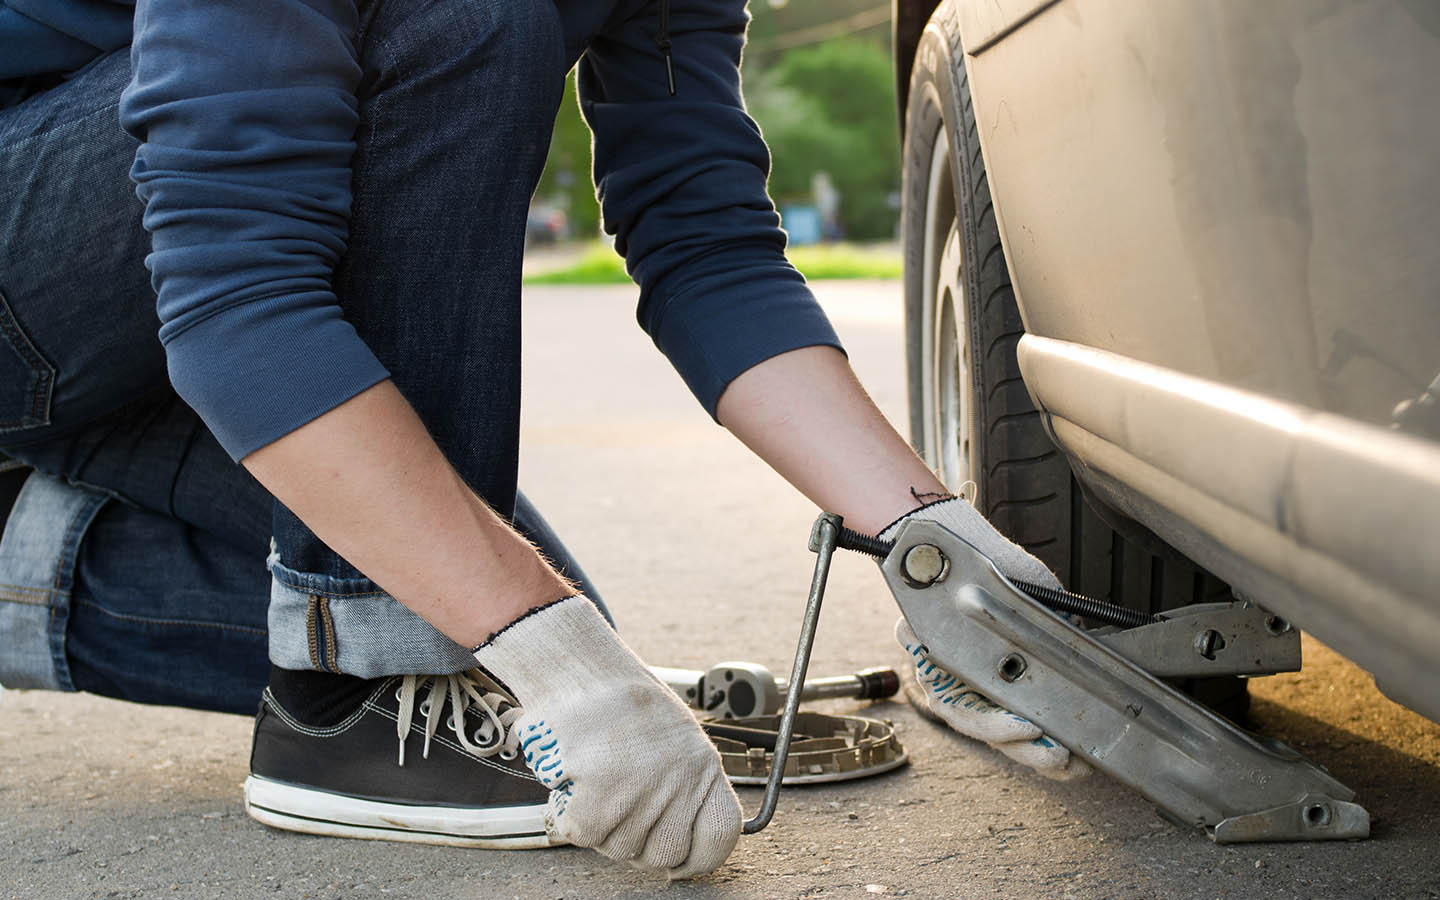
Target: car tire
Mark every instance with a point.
(971, 417)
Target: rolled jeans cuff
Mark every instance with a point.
(37, 572)
(350, 626)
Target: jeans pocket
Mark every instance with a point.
(26, 378)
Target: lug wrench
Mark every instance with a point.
(738, 690)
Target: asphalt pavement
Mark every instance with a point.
(701, 553)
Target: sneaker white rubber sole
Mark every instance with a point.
(311, 811)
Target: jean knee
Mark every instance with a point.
(503, 51)
(528, 36)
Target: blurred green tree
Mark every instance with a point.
(566, 180)
(830, 108)
(778, 27)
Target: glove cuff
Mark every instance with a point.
(888, 532)
(561, 646)
(959, 516)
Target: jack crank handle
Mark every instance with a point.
(823, 538)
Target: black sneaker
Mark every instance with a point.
(459, 782)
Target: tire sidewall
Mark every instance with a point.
(938, 100)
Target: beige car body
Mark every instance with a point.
(1222, 223)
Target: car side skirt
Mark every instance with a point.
(1316, 517)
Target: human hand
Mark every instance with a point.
(630, 772)
(974, 715)
(950, 699)
(957, 515)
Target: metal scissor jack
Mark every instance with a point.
(1087, 690)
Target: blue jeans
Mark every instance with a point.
(135, 561)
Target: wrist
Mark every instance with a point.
(500, 579)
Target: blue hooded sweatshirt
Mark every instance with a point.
(254, 337)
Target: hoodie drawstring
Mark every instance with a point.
(662, 43)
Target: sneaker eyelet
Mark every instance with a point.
(509, 755)
(425, 707)
(482, 739)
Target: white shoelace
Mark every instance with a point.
(464, 690)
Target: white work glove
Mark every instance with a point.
(950, 699)
(630, 772)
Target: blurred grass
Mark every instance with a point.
(820, 261)
(599, 264)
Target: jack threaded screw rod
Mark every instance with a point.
(1057, 599)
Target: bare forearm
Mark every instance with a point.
(369, 481)
(805, 414)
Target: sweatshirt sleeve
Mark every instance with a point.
(246, 114)
(682, 187)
